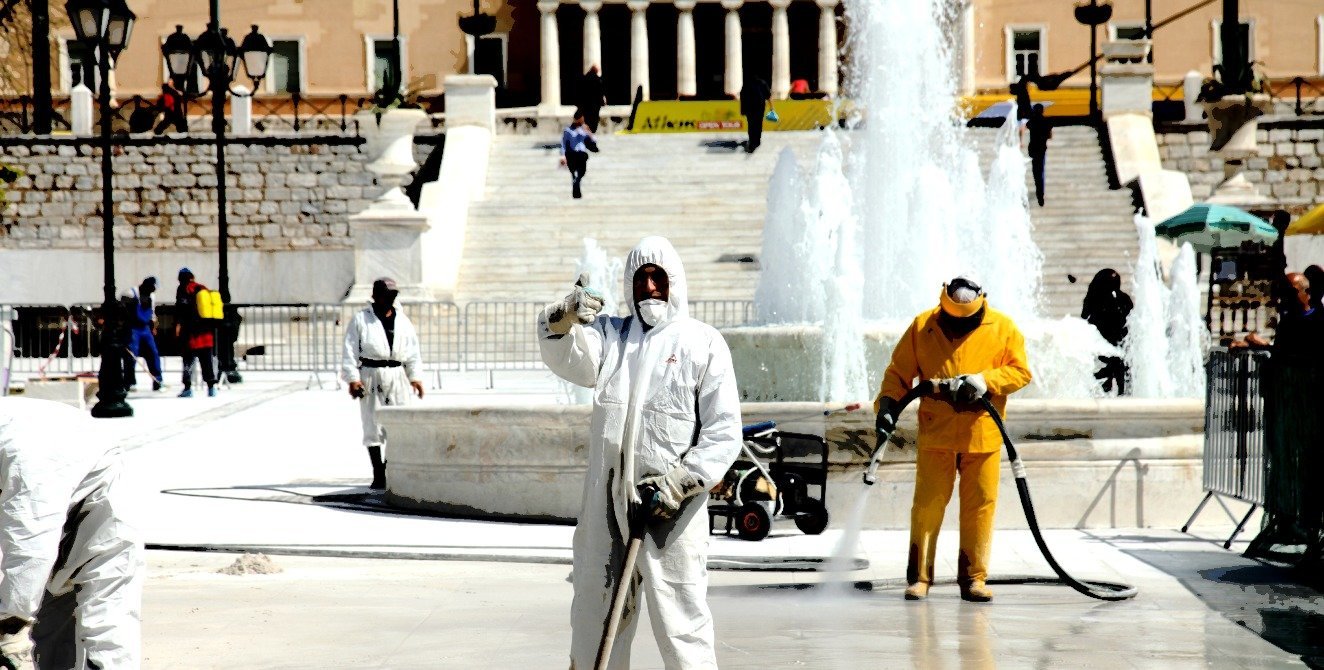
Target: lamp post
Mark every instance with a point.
(104, 26)
(215, 55)
(1094, 15)
(389, 93)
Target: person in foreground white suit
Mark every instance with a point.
(72, 566)
(666, 412)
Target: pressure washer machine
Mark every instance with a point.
(780, 474)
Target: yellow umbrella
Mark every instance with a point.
(1310, 223)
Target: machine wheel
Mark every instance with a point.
(814, 517)
(753, 522)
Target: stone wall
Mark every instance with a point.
(1289, 167)
(281, 197)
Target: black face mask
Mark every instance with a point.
(955, 327)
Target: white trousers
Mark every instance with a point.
(671, 577)
(383, 386)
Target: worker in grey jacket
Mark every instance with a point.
(381, 362)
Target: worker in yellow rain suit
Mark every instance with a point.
(977, 351)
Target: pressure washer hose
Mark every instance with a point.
(1095, 589)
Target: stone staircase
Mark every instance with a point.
(1083, 226)
(710, 201)
(525, 237)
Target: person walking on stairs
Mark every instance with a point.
(576, 142)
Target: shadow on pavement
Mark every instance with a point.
(1266, 599)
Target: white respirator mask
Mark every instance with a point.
(653, 311)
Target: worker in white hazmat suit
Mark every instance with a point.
(72, 566)
(381, 363)
(666, 412)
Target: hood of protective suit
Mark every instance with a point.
(658, 251)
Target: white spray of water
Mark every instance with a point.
(844, 373)
(842, 561)
(785, 294)
(1188, 339)
(1146, 343)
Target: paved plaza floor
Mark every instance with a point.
(262, 466)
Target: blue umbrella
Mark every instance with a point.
(1207, 227)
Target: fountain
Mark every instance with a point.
(854, 246)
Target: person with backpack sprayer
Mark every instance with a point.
(971, 350)
(196, 310)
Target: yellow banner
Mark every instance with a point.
(708, 116)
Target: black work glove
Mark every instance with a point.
(885, 423)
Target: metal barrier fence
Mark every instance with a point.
(484, 336)
(1233, 460)
(1293, 425)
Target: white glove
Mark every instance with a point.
(673, 488)
(969, 388)
(16, 649)
(582, 306)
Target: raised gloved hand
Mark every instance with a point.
(16, 644)
(969, 388)
(885, 423)
(582, 306)
(673, 488)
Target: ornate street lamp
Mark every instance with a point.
(215, 55)
(1094, 15)
(104, 27)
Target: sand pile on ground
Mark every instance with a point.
(251, 564)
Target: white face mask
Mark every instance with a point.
(653, 311)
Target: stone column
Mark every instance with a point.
(638, 46)
(968, 28)
(592, 34)
(827, 47)
(735, 55)
(551, 55)
(781, 50)
(686, 79)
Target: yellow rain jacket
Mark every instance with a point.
(995, 348)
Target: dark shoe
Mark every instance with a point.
(211, 391)
(156, 386)
(575, 192)
(378, 469)
(976, 592)
(917, 591)
(186, 393)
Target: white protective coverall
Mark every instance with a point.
(70, 560)
(661, 398)
(366, 338)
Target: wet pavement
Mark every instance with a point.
(272, 465)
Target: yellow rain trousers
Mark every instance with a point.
(956, 439)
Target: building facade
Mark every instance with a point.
(682, 49)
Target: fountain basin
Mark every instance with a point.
(782, 363)
(1091, 463)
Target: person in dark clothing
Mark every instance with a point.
(754, 97)
(1300, 329)
(1107, 307)
(170, 108)
(142, 334)
(576, 141)
(591, 98)
(195, 334)
(1041, 130)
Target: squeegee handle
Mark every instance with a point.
(618, 604)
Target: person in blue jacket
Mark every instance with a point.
(142, 334)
